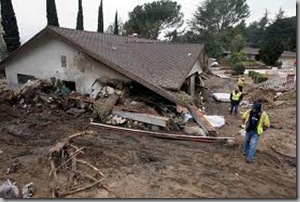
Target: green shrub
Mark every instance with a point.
(260, 78)
(253, 75)
(237, 57)
(238, 68)
(250, 73)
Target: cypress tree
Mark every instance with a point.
(79, 16)
(9, 23)
(100, 18)
(51, 13)
(116, 26)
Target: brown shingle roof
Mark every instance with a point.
(158, 66)
(162, 64)
(252, 51)
(288, 54)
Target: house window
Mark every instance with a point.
(22, 78)
(63, 60)
(70, 85)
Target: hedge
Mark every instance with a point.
(250, 73)
(260, 78)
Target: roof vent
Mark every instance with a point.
(132, 38)
(114, 48)
(189, 54)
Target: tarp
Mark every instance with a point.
(222, 97)
(216, 121)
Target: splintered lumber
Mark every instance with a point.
(145, 118)
(104, 110)
(166, 135)
(201, 120)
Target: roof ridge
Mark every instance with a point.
(95, 32)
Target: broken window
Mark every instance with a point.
(70, 85)
(63, 60)
(22, 78)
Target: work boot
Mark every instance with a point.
(249, 161)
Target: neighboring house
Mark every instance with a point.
(81, 58)
(251, 53)
(288, 59)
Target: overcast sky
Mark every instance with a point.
(31, 14)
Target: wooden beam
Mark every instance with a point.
(192, 85)
(201, 120)
(163, 135)
(145, 118)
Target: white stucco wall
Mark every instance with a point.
(43, 60)
(287, 61)
(196, 68)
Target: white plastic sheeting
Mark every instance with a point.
(216, 121)
(222, 97)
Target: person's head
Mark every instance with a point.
(257, 107)
(237, 89)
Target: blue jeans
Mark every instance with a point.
(250, 144)
(234, 108)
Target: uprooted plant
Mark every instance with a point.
(70, 174)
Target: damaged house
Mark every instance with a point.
(121, 80)
(85, 60)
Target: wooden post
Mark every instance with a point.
(192, 85)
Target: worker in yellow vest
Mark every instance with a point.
(241, 83)
(235, 98)
(256, 121)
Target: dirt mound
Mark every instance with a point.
(266, 96)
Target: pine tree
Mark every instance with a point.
(100, 18)
(79, 16)
(9, 23)
(2, 42)
(51, 13)
(116, 27)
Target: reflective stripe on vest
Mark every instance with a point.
(236, 96)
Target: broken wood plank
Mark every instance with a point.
(145, 118)
(201, 120)
(91, 101)
(104, 110)
(165, 135)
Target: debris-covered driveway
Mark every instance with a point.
(136, 166)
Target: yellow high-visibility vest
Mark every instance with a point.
(236, 96)
(240, 82)
(263, 121)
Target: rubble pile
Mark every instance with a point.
(114, 104)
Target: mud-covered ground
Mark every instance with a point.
(147, 167)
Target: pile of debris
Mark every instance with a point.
(116, 104)
(37, 94)
(279, 84)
